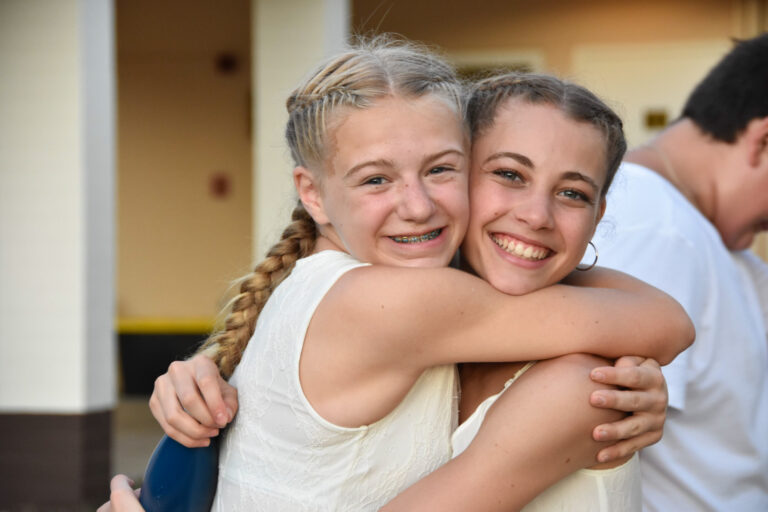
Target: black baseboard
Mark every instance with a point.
(144, 357)
(54, 462)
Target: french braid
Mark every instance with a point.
(226, 346)
(355, 79)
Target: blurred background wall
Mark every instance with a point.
(183, 122)
(143, 140)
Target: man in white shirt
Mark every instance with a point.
(682, 211)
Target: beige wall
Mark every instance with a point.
(553, 27)
(597, 42)
(57, 164)
(180, 122)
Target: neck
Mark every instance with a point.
(462, 263)
(685, 157)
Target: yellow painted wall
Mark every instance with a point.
(567, 37)
(179, 122)
(552, 27)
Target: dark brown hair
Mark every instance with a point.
(578, 103)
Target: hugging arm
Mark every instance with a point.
(645, 397)
(536, 433)
(646, 391)
(448, 316)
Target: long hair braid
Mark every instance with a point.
(226, 346)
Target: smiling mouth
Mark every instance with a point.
(521, 249)
(415, 239)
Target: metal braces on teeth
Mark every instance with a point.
(414, 239)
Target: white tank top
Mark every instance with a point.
(280, 455)
(586, 490)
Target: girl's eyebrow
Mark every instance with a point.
(379, 162)
(521, 159)
(384, 162)
(576, 175)
(441, 154)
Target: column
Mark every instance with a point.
(57, 382)
(290, 37)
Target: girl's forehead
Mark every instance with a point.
(393, 127)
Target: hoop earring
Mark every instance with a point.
(584, 269)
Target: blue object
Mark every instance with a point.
(180, 479)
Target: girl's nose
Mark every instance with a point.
(416, 205)
(536, 212)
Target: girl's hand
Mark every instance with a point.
(192, 402)
(645, 397)
(122, 497)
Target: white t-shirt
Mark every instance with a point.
(280, 455)
(586, 490)
(714, 452)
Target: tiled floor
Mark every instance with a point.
(135, 434)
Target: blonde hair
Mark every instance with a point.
(356, 78)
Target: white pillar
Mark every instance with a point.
(56, 243)
(290, 37)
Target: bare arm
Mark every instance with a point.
(439, 316)
(523, 446)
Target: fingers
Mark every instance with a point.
(191, 401)
(174, 420)
(230, 398)
(627, 447)
(122, 497)
(169, 412)
(653, 401)
(631, 426)
(219, 398)
(628, 361)
(187, 378)
(645, 376)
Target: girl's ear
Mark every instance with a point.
(600, 212)
(308, 188)
(757, 140)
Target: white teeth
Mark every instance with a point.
(414, 239)
(522, 250)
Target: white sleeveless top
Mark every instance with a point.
(586, 490)
(279, 454)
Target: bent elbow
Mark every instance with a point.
(678, 338)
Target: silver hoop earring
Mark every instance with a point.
(584, 269)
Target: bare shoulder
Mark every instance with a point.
(568, 384)
(377, 292)
(388, 282)
(550, 405)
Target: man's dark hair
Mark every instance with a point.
(733, 93)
